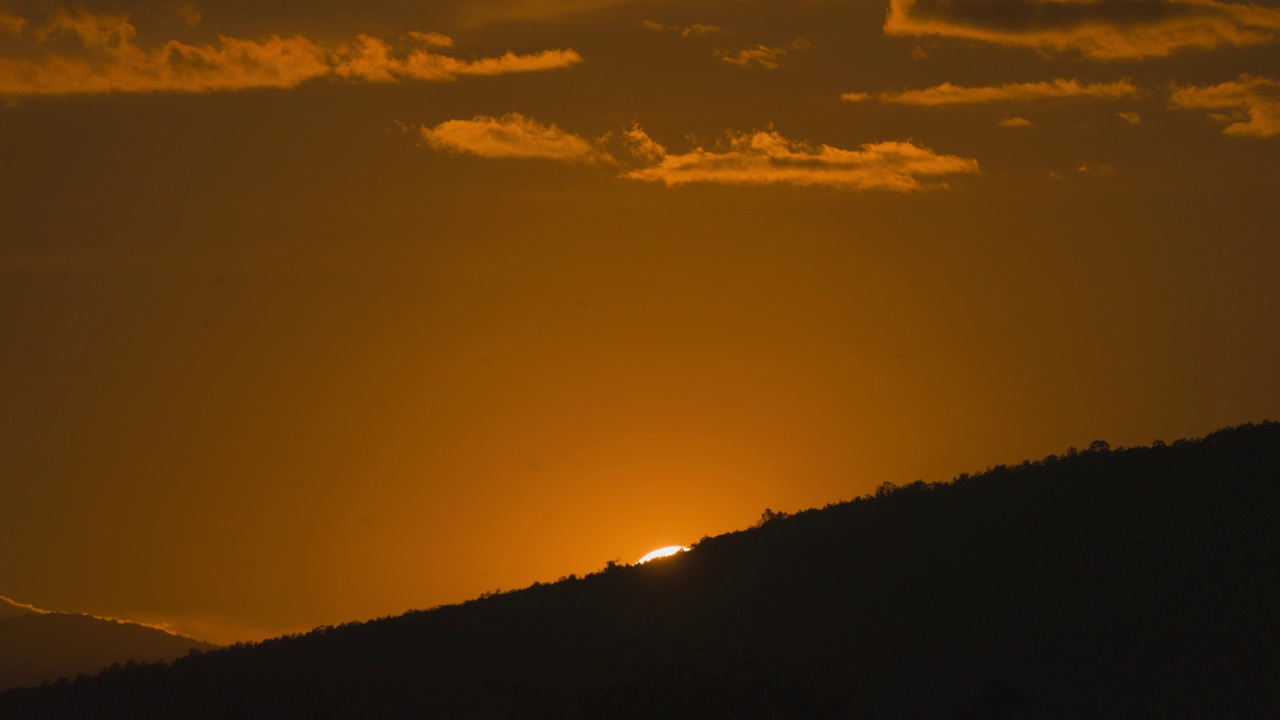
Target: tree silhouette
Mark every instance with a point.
(1126, 583)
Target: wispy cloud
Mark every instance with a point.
(1250, 106)
(684, 30)
(768, 158)
(374, 60)
(1015, 122)
(1099, 29)
(948, 94)
(1130, 117)
(754, 158)
(11, 24)
(633, 147)
(10, 607)
(510, 136)
(480, 12)
(112, 62)
(187, 13)
(1095, 169)
(764, 56)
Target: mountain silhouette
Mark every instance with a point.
(10, 608)
(36, 646)
(1104, 583)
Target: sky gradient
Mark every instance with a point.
(315, 312)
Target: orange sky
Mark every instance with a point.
(314, 312)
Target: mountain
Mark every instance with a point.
(36, 646)
(10, 608)
(1107, 583)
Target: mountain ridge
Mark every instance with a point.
(12, 608)
(1128, 583)
(38, 645)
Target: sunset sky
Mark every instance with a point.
(318, 311)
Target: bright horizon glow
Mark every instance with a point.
(661, 553)
(407, 353)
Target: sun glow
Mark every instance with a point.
(661, 553)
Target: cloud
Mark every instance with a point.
(757, 158)
(11, 24)
(684, 30)
(96, 32)
(1015, 122)
(112, 62)
(431, 39)
(767, 158)
(13, 608)
(188, 13)
(948, 94)
(510, 136)
(1250, 105)
(1087, 168)
(1132, 118)
(766, 57)
(1098, 29)
(633, 147)
(481, 12)
(371, 59)
(175, 67)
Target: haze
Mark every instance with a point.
(316, 312)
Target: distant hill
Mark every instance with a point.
(10, 608)
(1107, 583)
(36, 646)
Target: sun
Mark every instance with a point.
(661, 553)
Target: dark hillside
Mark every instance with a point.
(1138, 583)
(45, 646)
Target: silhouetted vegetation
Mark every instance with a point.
(1106, 583)
(45, 646)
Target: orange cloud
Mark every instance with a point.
(948, 94)
(1132, 118)
(480, 12)
(767, 158)
(766, 57)
(1088, 168)
(1103, 30)
(632, 148)
(113, 63)
(684, 30)
(759, 158)
(11, 24)
(372, 59)
(188, 13)
(1015, 121)
(96, 32)
(432, 39)
(1250, 105)
(9, 607)
(510, 136)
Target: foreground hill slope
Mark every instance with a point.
(37, 646)
(1135, 583)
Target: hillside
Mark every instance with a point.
(38, 646)
(10, 608)
(1135, 583)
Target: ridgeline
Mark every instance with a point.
(1106, 583)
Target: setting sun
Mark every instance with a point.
(661, 553)
(370, 306)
